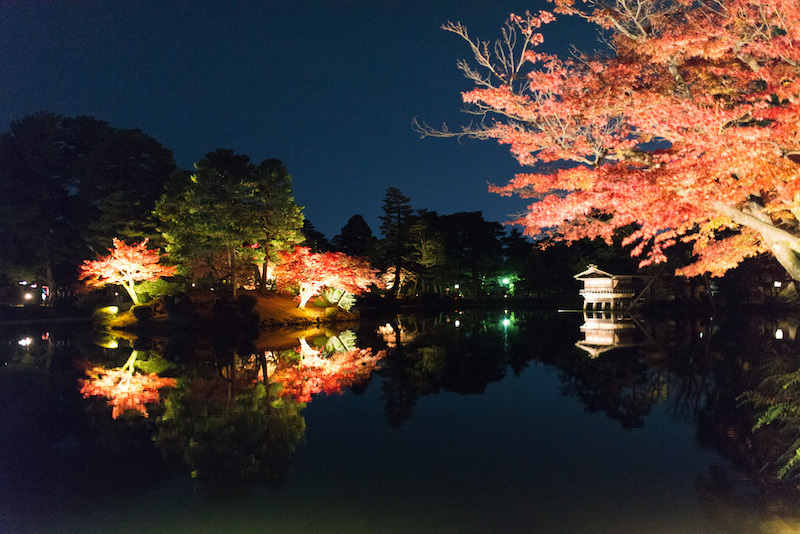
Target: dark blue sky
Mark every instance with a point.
(330, 88)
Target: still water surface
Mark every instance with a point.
(467, 425)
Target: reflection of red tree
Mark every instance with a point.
(123, 389)
(316, 374)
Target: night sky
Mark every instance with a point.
(330, 88)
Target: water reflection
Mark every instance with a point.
(126, 388)
(235, 413)
(604, 331)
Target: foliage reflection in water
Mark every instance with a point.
(442, 404)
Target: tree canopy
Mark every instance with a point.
(229, 215)
(681, 131)
(125, 265)
(70, 184)
(312, 272)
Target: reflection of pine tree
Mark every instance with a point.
(231, 435)
(398, 389)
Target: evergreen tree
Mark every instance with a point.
(356, 238)
(428, 249)
(314, 239)
(229, 215)
(70, 184)
(395, 224)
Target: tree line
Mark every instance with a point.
(69, 186)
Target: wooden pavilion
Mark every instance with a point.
(606, 291)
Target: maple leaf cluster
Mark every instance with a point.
(125, 390)
(310, 273)
(681, 133)
(329, 375)
(125, 265)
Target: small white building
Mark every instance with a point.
(606, 291)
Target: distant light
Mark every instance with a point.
(506, 281)
(457, 323)
(506, 321)
(777, 283)
(25, 342)
(778, 334)
(28, 296)
(23, 283)
(456, 286)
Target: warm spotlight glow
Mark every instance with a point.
(28, 296)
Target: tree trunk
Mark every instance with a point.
(131, 289)
(232, 267)
(783, 244)
(263, 281)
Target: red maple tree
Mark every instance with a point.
(310, 273)
(125, 265)
(686, 130)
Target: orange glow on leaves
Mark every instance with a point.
(312, 272)
(329, 375)
(692, 115)
(125, 391)
(125, 265)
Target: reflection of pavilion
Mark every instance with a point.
(603, 331)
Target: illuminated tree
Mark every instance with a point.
(311, 272)
(125, 265)
(281, 220)
(230, 207)
(682, 131)
(428, 248)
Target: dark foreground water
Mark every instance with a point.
(497, 422)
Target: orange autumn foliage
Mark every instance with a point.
(329, 375)
(311, 272)
(124, 390)
(125, 265)
(681, 131)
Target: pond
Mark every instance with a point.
(503, 421)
